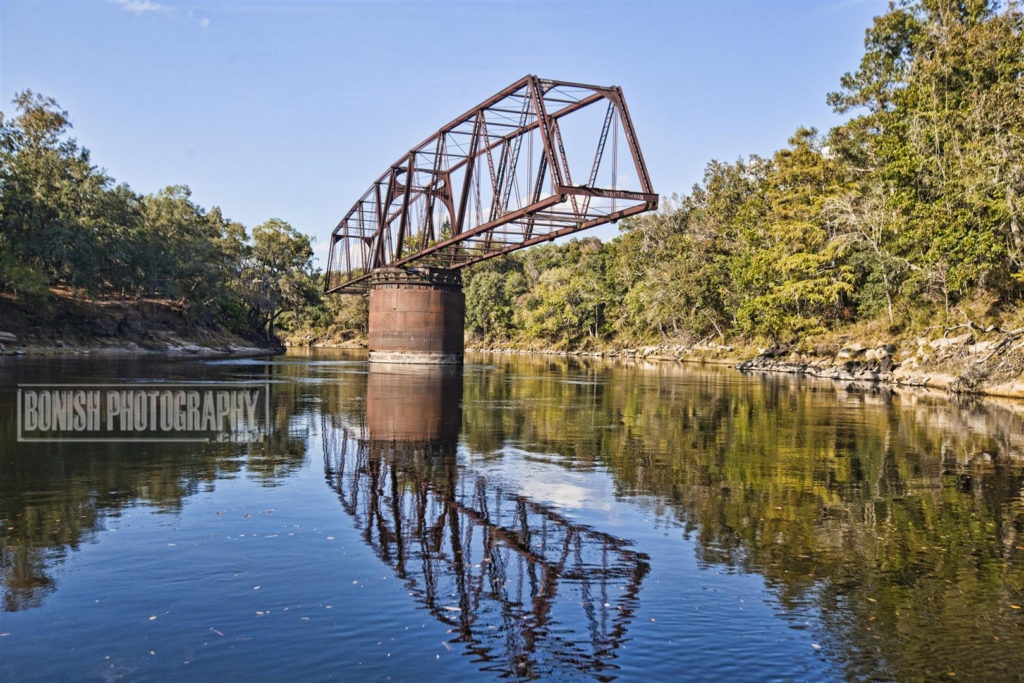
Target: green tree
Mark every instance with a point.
(788, 264)
(487, 309)
(50, 201)
(277, 273)
(943, 135)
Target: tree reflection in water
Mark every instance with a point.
(897, 515)
(526, 591)
(56, 497)
(892, 520)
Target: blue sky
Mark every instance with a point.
(291, 109)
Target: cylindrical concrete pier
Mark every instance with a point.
(416, 317)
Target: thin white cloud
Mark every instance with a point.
(140, 7)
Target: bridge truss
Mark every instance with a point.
(527, 165)
(523, 589)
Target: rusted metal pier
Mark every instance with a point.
(416, 316)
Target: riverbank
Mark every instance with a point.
(978, 361)
(63, 325)
(344, 344)
(963, 359)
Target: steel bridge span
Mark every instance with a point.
(534, 162)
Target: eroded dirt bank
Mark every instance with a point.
(65, 325)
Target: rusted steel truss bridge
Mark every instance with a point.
(534, 162)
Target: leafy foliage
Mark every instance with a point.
(914, 203)
(63, 222)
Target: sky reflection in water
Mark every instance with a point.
(522, 518)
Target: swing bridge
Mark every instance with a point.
(529, 164)
(537, 161)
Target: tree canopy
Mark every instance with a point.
(66, 223)
(903, 212)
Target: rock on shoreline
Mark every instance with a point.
(961, 364)
(854, 363)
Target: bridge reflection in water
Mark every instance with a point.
(524, 590)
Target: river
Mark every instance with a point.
(525, 517)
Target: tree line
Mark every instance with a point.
(65, 225)
(906, 215)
